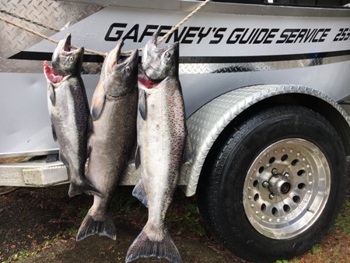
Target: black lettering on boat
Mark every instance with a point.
(113, 33)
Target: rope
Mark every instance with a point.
(46, 37)
(28, 30)
(28, 20)
(183, 21)
(89, 50)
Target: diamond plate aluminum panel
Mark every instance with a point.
(205, 68)
(45, 17)
(206, 124)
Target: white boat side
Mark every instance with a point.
(224, 48)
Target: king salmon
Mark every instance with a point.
(114, 111)
(69, 111)
(161, 137)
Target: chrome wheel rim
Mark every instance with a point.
(286, 188)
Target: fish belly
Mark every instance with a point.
(111, 143)
(70, 123)
(163, 139)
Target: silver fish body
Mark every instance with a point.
(161, 140)
(114, 111)
(69, 112)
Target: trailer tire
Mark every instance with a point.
(276, 184)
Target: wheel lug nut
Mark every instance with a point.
(271, 196)
(274, 171)
(286, 175)
(265, 184)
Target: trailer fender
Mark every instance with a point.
(206, 124)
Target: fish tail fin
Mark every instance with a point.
(90, 227)
(84, 187)
(143, 247)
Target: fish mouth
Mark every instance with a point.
(67, 43)
(155, 61)
(57, 71)
(116, 58)
(151, 45)
(51, 75)
(66, 47)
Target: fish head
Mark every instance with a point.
(159, 63)
(120, 72)
(66, 61)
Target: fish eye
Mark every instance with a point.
(71, 58)
(127, 69)
(167, 55)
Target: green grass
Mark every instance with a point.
(84, 212)
(70, 232)
(316, 250)
(46, 244)
(343, 219)
(20, 256)
(184, 217)
(123, 201)
(335, 252)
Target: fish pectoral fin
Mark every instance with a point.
(97, 107)
(137, 158)
(143, 104)
(51, 93)
(140, 193)
(188, 152)
(53, 133)
(90, 227)
(98, 102)
(143, 247)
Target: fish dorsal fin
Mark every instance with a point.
(98, 101)
(143, 104)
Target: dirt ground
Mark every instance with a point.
(39, 225)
